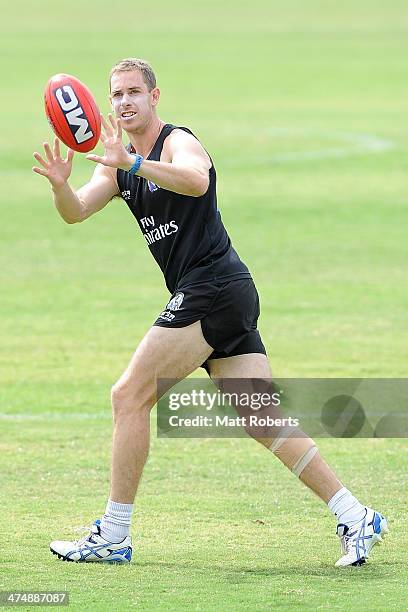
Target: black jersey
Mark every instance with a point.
(185, 234)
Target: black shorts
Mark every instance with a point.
(228, 311)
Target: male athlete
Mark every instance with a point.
(169, 183)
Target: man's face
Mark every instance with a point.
(132, 101)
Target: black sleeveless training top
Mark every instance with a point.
(185, 234)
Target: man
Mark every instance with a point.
(169, 183)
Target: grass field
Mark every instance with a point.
(302, 105)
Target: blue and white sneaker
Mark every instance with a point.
(93, 547)
(358, 540)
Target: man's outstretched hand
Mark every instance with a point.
(115, 155)
(54, 168)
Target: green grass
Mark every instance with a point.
(324, 237)
(220, 525)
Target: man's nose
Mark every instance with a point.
(125, 99)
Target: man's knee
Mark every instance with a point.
(132, 396)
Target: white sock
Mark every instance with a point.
(116, 521)
(346, 507)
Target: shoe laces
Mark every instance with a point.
(346, 538)
(346, 543)
(354, 541)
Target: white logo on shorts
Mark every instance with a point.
(167, 316)
(176, 302)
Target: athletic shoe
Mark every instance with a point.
(93, 547)
(358, 540)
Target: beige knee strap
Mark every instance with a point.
(303, 461)
(284, 435)
(294, 450)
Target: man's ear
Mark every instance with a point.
(155, 96)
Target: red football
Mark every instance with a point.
(72, 112)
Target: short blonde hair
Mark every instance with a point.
(133, 63)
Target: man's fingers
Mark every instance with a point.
(40, 171)
(41, 160)
(119, 129)
(102, 137)
(57, 150)
(70, 155)
(112, 120)
(96, 159)
(48, 151)
(106, 126)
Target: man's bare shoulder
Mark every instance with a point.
(180, 135)
(180, 139)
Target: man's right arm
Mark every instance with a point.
(75, 207)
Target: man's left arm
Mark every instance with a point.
(186, 173)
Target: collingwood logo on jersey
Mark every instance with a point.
(152, 186)
(157, 233)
